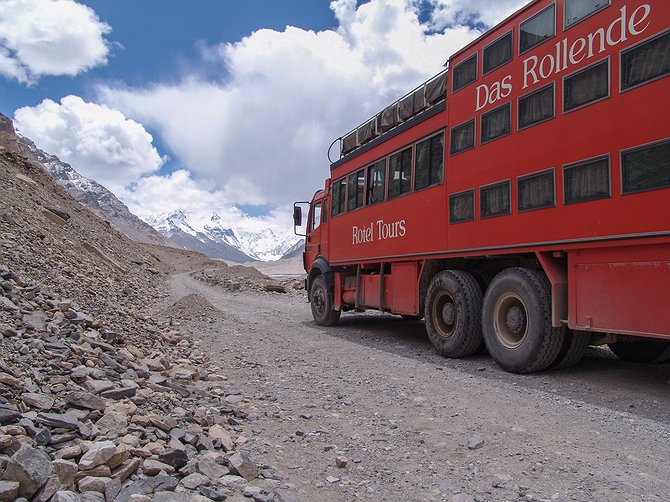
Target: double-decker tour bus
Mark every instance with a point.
(520, 199)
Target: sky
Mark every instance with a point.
(224, 106)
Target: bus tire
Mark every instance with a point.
(643, 351)
(453, 312)
(516, 321)
(573, 349)
(321, 301)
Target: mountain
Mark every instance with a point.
(96, 197)
(177, 229)
(215, 237)
(242, 240)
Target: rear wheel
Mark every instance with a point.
(644, 351)
(573, 349)
(453, 312)
(516, 321)
(322, 303)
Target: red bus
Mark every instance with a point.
(520, 199)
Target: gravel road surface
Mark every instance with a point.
(367, 410)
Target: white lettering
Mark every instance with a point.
(529, 71)
(550, 70)
(591, 36)
(536, 69)
(576, 49)
(621, 22)
(481, 103)
(365, 234)
(506, 86)
(632, 23)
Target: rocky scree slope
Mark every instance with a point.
(96, 197)
(99, 400)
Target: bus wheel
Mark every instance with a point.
(573, 349)
(322, 303)
(644, 351)
(453, 312)
(516, 321)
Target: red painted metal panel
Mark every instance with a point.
(621, 290)
(404, 292)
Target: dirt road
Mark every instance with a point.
(412, 426)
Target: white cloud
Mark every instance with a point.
(448, 13)
(49, 37)
(262, 131)
(99, 142)
(161, 195)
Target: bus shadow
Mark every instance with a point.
(600, 378)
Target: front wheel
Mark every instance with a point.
(516, 321)
(322, 303)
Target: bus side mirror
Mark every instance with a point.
(297, 216)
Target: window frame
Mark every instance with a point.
(474, 206)
(510, 33)
(519, 127)
(474, 136)
(414, 163)
(606, 60)
(538, 13)
(633, 150)
(536, 174)
(508, 105)
(633, 47)
(411, 172)
(368, 168)
(333, 206)
(507, 182)
(466, 60)
(567, 26)
(356, 176)
(578, 163)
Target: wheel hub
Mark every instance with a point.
(515, 319)
(448, 313)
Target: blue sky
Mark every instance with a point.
(217, 105)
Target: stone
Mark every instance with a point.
(30, 467)
(231, 481)
(214, 493)
(125, 470)
(121, 454)
(283, 495)
(221, 437)
(119, 393)
(195, 480)
(177, 458)
(152, 467)
(9, 416)
(38, 400)
(99, 453)
(93, 484)
(64, 420)
(114, 421)
(209, 465)
(9, 490)
(65, 470)
(97, 386)
(66, 496)
(475, 442)
(84, 399)
(332, 479)
(341, 462)
(240, 463)
(48, 490)
(251, 491)
(146, 486)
